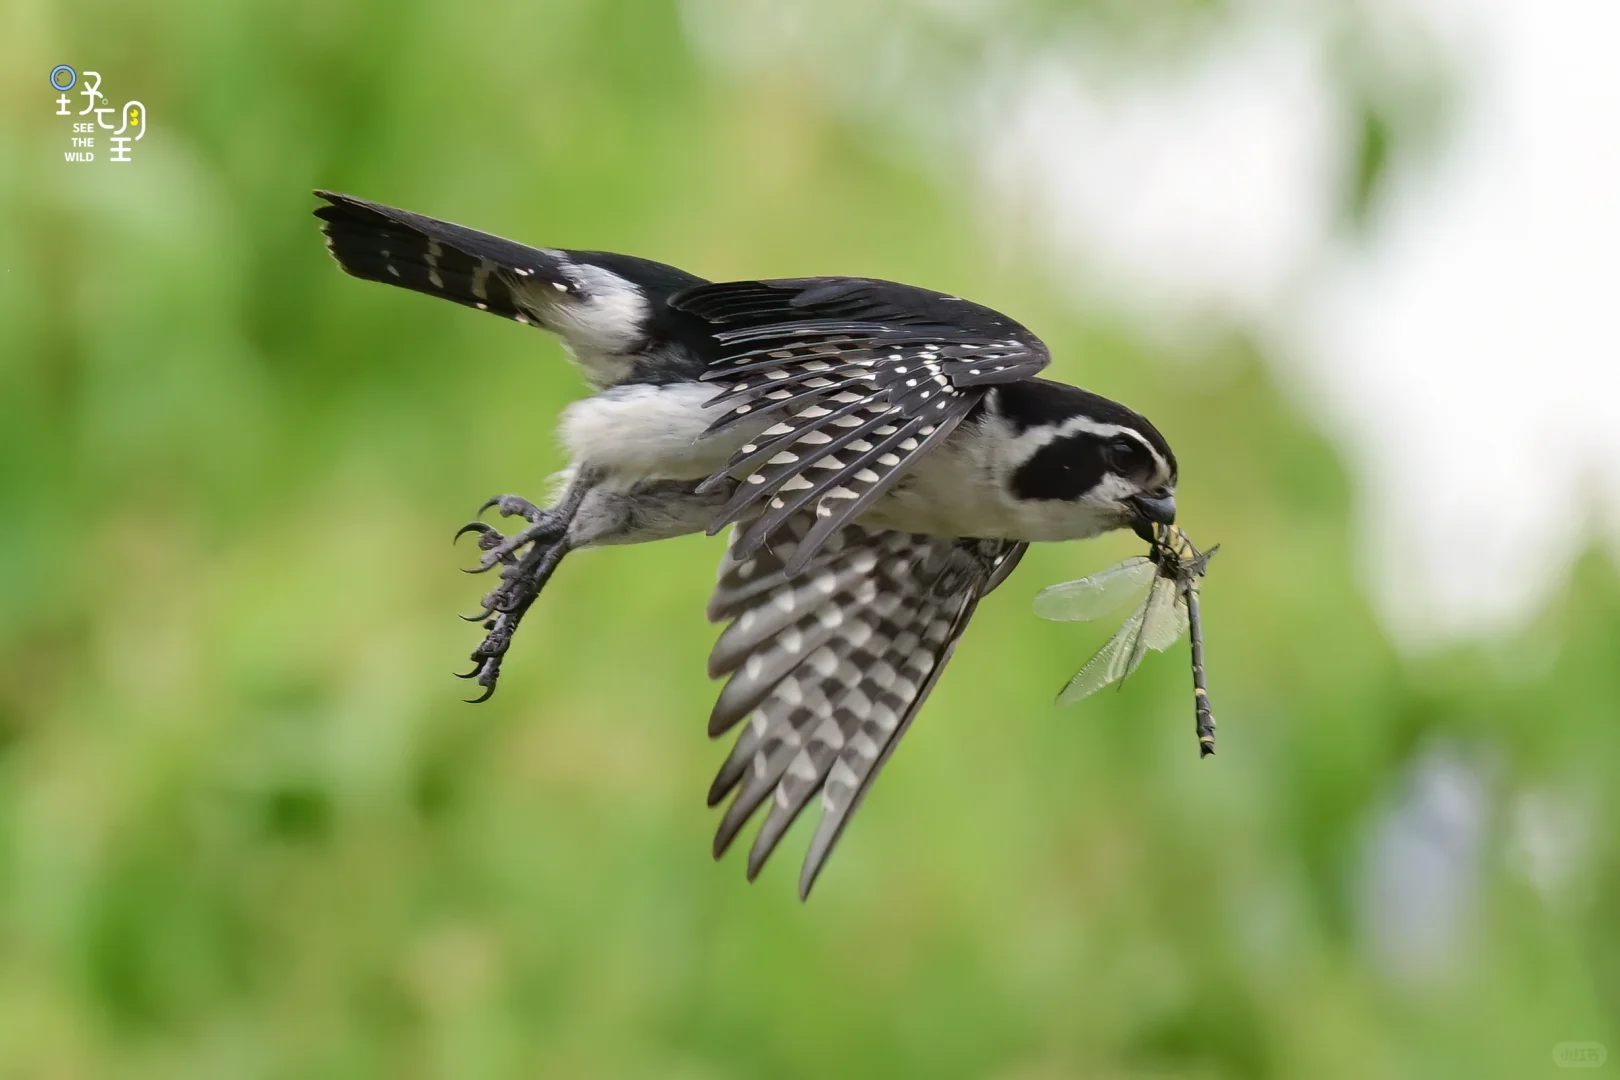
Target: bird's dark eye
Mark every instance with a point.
(1125, 456)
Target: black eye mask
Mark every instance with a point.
(1065, 468)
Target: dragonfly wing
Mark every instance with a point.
(1111, 663)
(1166, 620)
(1089, 597)
(1153, 618)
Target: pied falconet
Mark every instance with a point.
(884, 454)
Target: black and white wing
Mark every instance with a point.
(830, 666)
(599, 303)
(858, 378)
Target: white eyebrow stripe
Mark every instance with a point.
(1026, 443)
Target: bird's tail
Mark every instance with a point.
(396, 247)
(598, 302)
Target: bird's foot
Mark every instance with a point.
(545, 526)
(523, 574)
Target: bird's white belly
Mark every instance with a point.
(637, 432)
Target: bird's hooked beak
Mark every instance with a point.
(1150, 510)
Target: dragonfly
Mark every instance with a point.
(1170, 574)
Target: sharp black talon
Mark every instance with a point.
(473, 526)
(480, 617)
(471, 674)
(485, 696)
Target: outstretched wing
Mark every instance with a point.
(858, 377)
(830, 666)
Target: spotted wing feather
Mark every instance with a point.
(830, 666)
(860, 378)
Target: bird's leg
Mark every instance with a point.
(523, 572)
(595, 511)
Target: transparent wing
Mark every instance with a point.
(1113, 661)
(1166, 619)
(1158, 624)
(1102, 592)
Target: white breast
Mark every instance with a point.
(638, 432)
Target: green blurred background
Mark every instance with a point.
(247, 829)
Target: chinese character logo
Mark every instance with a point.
(130, 129)
(1580, 1055)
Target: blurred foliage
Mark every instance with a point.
(248, 830)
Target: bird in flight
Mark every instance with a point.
(883, 454)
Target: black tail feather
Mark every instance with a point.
(396, 247)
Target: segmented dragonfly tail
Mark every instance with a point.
(1205, 716)
(1190, 571)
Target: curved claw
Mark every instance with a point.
(480, 617)
(473, 526)
(471, 674)
(513, 506)
(483, 567)
(485, 696)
